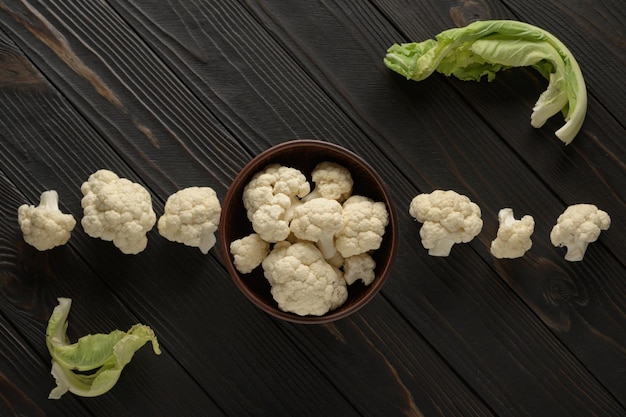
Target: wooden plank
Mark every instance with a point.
(153, 135)
(411, 377)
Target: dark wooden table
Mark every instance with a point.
(173, 94)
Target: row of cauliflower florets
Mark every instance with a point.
(307, 241)
(449, 218)
(119, 210)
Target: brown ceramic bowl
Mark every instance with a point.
(305, 155)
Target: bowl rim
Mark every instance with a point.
(390, 233)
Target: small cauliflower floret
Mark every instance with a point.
(364, 222)
(274, 179)
(45, 226)
(318, 220)
(117, 209)
(191, 217)
(576, 227)
(332, 181)
(302, 281)
(270, 199)
(513, 239)
(248, 252)
(269, 220)
(359, 267)
(448, 218)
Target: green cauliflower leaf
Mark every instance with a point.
(483, 48)
(93, 365)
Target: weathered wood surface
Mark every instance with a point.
(173, 94)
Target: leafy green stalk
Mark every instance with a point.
(483, 48)
(93, 365)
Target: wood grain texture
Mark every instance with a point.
(16, 71)
(172, 94)
(412, 379)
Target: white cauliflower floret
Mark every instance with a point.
(302, 281)
(269, 220)
(513, 238)
(448, 218)
(191, 217)
(359, 267)
(274, 179)
(248, 252)
(270, 198)
(117, 209)
(332, 181)
(364, 226)
(45, 226)
(318, 220)
(576, 227)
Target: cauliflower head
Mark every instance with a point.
(513, 238)
(364, 221)
(118, 210)
(576, 227)
(332, 181)
(448, 218)
(301, 280)
(45, 226)
(274, 179)
(191, 216)
(359, 267)
(270, 198)
(248, 252)
(318, 220)
(270, 220)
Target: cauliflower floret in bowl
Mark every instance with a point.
(235, 224)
